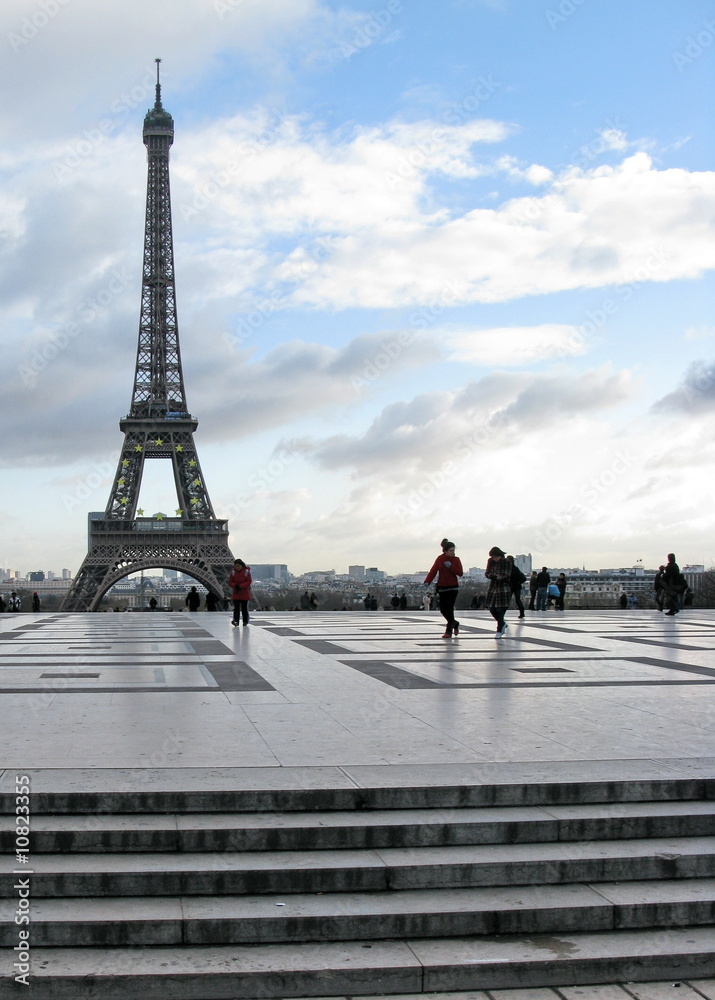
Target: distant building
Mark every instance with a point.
(374, 575)
(37, 577)
(524, 563)
(270, 571)
(66, 574)
(356, 572)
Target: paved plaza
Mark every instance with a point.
(186, 703)
(585, 693)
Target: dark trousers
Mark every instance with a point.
(240, 611)
(498, 613)
(532, 598)
(447, 600)
(516, 591)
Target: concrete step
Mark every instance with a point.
(364, 968)
(226, 873)
(205, 920)
(341, 830)
(182, 790)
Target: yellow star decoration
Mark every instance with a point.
(179, 447)
(120, 482)
(124, 500)
(140, 512)
(178, 512)
(125, 463)
(138, 447)
(159, 441)
(194, 501)
(196, 482)
(159, 517)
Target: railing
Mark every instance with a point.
(159, 524)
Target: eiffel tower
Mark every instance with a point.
(158, 425)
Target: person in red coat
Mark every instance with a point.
(448, 569)
(240, 583)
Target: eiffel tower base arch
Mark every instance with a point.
(118, 548)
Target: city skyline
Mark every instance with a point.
(436, 274)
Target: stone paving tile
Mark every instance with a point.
(671, 990)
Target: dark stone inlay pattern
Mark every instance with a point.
(283, 630)
(322, 646)
(690, 668)
(210, 647)
(237, 676)
(78, 676)
(398, 677)
(542, 670)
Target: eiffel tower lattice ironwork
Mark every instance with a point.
(158, 425)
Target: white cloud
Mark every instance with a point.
(515, 345)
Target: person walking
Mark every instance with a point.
(14, 603)
(193, 600)
(35, 602)
(447, 568)
(517, 579)
(532, 589)
(240, 583)
(543, 579)
(561, 583)
(672, 584)
(498, 572)
(659, 588)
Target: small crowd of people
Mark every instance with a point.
(506, 580)
(14, 603)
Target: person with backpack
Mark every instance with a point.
(517, 580)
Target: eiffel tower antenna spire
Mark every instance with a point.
(158, 425)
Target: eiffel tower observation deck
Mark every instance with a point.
(158, 426)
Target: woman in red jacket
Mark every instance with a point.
(240, 583)
(447, 568)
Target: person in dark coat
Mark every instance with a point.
(193, 600)
(517, 581)
(561, 583)
(532, 589)
(543, 579)
(659, 588)
(447, 568)
(498, 572)
(672, 584)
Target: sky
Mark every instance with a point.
(442, 269)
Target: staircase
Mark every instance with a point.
(236, 892)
